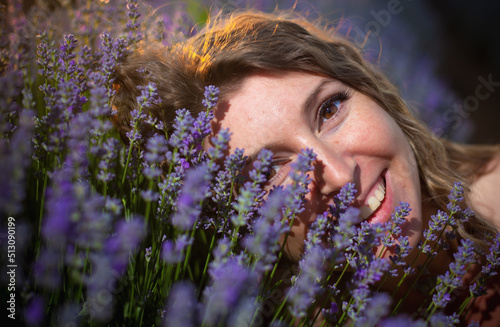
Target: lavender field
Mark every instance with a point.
(158, 232)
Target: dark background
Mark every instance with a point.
(471, 47)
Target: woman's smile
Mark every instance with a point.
(374, 207)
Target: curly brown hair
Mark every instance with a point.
(233, 47)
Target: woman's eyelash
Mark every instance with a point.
(325, 111)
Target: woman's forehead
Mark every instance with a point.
(269, 105)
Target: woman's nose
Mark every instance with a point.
(333, 170)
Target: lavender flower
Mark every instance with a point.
(134, 36)
(46, 53)
(307, 285)
(300, 183)
(85, 59)
(317, 231)
(366, 239)
(402, 320)
(211, 96)
(263, 244)
(251, 193)
(437, 223)
(124, 242)
(112, 51)
(193, 192)
(456, 196)
(61, 205)
(100, 111)
(493, 258)
(402, 251)
(219, 147)
(14, 162)
(182, 126)
(149, 96)
(366, 275)
(182, 306)
(453, 278)
(232, 284)
(107, 160)
(261, 167)
(68, 67)
(169, 189)
(149, 195)
(136, 124)
(393, 226)
(35, 311)
(147, 253)
(156, 148)
(78, 143)
(343, 199)
(224, 183)
(173, 251)
(346, 228)
(377, 307)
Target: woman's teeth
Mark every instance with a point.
(374, 201)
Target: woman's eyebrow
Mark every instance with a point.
(310, 99)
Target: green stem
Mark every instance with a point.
(203, 275)
(128, 161)
(280, 308)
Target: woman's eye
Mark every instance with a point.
(273, 170)
(328, 110)
(276, 174)
(331, 107)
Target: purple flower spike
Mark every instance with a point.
(307, 285)
(182, 307)
(393, 226)
(173, 251)
(343, 199)
(133, 25)
(35, 312)
(182, 126)
(264, 243)
(377, 307)
(126, 240)
(220, 145)
(156, 149)
(149, 95)
(14, 161)
(211, 96)
(453, 278)
(346, 228)
(232, 285)
(300, 183)
(193, 192)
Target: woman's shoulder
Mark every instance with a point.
(485, 193)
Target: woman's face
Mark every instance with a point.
(354, 139)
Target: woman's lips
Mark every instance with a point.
(376, 208)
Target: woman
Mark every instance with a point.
(286, 85)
